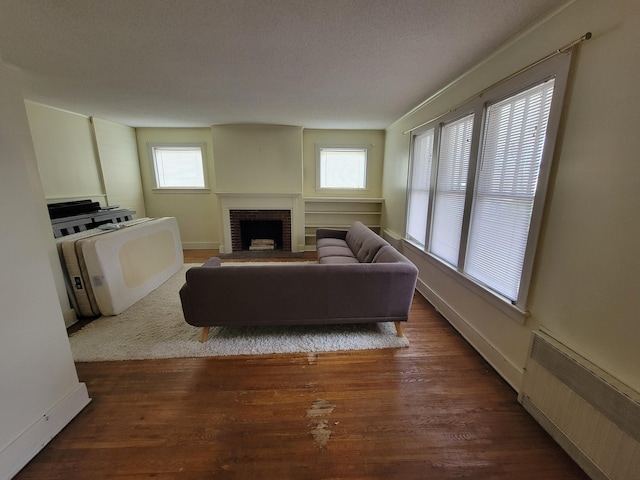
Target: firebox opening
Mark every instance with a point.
(261, 234)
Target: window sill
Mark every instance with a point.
(185, 191)
(343, 191)
(504, 305)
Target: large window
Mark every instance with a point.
(420, 187)
(478, 181)
(178, 166)
(450, 188)
(342, 168)
(505, 189)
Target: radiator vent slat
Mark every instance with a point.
(618, 408)
(595, 418)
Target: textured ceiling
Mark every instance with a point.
(312, 63)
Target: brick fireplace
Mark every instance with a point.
(286, 208)
(241, 221)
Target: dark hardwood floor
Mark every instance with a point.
(435, 410)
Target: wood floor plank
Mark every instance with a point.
(434, 410)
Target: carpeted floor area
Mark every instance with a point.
(155, 328)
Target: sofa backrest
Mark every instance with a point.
(364, 242)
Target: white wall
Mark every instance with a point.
(76, 163)
(119, 166)
(588, 278)
(196, 212)
(247, 159)
(85, 158)
(257, 158)
(40, 391)
(257, 163)
(587, 272)
(66, 153)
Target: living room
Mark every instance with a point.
(583, 290)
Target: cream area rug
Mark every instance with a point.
(155, 328)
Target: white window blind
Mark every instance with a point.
(506, 183)
(420, 185)
(451, 184)
(342, 168)
(178, 166)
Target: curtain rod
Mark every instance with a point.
(564, 49)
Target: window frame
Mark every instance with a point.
(320, 188)
(178, 189)
(557, 68)
(412, 188)
(470, 168)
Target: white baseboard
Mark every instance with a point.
(70, 317)
(23, 448)
(505, 368)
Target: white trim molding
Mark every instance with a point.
(26, 446)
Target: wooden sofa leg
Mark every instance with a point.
(399, 329)
(205, 334)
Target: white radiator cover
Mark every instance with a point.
(593, 416)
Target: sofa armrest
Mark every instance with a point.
(212, 262)
(330, 233)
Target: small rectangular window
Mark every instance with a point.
(343, 168)
(178, 166)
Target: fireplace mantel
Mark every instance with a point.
(260, 201)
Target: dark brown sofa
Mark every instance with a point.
(360, 278)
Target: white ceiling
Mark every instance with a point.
(313, 63)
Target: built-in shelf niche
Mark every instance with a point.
(334, 212)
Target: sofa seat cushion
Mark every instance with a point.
(335, 251)
(337, 260)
